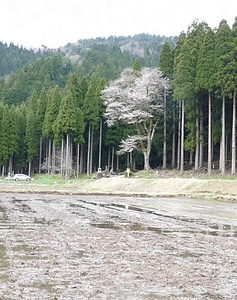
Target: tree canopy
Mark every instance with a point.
(136, 98)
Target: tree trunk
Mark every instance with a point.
(40, 155)
(49, 156)
(53, 158)
(179, 136)
(222, 154)
(173, 141)
(220, 158)
(209, 135)
(91, 148)
(67, 158)
(201, 141)
(197, 137)
(147, 153)
(108, 164)
(191, 158)
(226, 146)
(117, 162)
(78, 159)
(3, 170)
(165, 133)
(29, 168)
(182, 140)
(88, 151)
(130, 159)
(146, 161)
(100, 142)
(62, 158)
(70, 157)
(112, 160)
(81, 160)
(10, 165)
(233, 151)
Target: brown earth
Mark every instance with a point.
(89, 239)
(101, 247)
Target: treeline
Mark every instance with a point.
(13, 57)
(203, 74)
(29, 144)
(60, 131)
(52, 114)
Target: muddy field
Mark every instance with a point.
(99, 247)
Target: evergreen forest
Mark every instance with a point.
(53, 113)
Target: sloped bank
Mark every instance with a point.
(216, 189)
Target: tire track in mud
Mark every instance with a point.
(62, 247)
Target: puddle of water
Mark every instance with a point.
(211, 296)
(80, 206)
(50, 288)
(3, 261)
(3, 216)
(119, 205)
(40, 221)
(43, 221)
(79, 254)
(23, 248)
(25, 252)
(23, 206)
(27, 257)
(106, 226)
(207, 228)
(225, 230)
(2, 209)
(2, 252)
(163, 231)
(4, 277)
(139, 227)
(187, 254)
(213, 229)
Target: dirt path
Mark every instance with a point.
(98, 247)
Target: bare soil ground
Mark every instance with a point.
(112, 247)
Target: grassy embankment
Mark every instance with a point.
(161, 184)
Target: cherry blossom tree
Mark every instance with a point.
(136, 98)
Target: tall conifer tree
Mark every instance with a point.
(224, 82)
(166, 66)
(91, 117)
(183, 84)
(205, 81)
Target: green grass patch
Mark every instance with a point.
(48, 179)
(146, 174)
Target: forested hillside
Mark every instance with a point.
(54, 109)
(121, 50)
(13, 57)
(44, 72)
(106, 57)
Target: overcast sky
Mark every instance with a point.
(55, 23)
